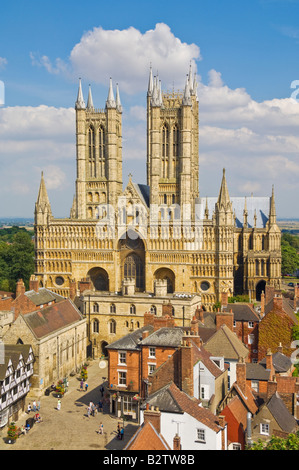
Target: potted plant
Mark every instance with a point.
(12, 433)
(83, 373)
(60, 389)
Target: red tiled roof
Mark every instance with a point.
(147, 438)
(49, 319)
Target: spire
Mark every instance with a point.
(80, 104)
(187, 96)
(42, 198)
(272, 213)
(245, 214)
(117, 101)
(156, 100)
(42, 205)
(110, 103)
(190, 79)
(160, 94)
(206, 210)
(223, 198)
(150, 83)
(90, 105)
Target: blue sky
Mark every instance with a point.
(246, 56)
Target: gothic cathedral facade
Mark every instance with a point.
(160, 235)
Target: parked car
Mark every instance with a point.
(291, 284)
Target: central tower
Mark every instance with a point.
(172, 143)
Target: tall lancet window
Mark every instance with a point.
(175, 149)
(91, 153)
(165, 150)
(102, 150)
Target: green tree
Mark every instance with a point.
(21, 258)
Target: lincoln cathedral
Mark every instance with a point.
(148, 247)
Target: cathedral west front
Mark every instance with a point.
(145, 247)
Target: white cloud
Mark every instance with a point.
(125, 55)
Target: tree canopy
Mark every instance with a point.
(16, 258)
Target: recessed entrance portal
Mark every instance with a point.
(99, 279)
(260, 287)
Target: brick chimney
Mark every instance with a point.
(225, 318)
(33, 283)
(224, 299)
(167, 309)
(241, 375)
(84, 284)
(153, 415)
(176, 442)
(271, 387)
(278, 302)
(186, 359)
(73, 289)
(263, 303)
(20, 288)
(199, 314)
(269, 364)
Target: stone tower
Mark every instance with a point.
(99, 154)
(172, 143)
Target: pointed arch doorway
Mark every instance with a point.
(132, 259)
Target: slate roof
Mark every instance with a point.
(171, 399)
(281, 414)
(242, 312)
(144, 192)
(131, 340)
(281, 363)
(43, 296)
(165, 337)
(49, 319)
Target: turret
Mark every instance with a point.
(42, 206)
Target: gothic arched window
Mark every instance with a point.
(91, 152)
(102, 150)
(133, 268)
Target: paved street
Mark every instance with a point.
(70, 428)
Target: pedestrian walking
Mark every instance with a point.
(122, 432)
(102, 390)
(29, 408)
(86, 386)
(88, 411)
(81, 385)
(59, 405)
(101, 429)
(100, 406)
(34, 406)
(38, 405)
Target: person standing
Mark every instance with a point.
(86, 386)
(122, 432)
(59, 405)
(101, 429)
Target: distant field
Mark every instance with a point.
(289, 225)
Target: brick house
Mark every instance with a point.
(276, 325)
(55, 329)
(158, 353)
(238, 405)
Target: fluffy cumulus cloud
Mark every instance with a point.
(125, 55)
(35, 139)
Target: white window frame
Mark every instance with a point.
(265, 429)
(152, 352)
(122, 378)
(122, 357)
(250, 324)
(201, 435)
